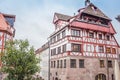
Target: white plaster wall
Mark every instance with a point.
(84, 47)
(97, 50)
(44, 65)
(117, 71)
(68, 47)
(68, 31)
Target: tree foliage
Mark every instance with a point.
(19, 60)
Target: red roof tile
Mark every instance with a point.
(108, 29)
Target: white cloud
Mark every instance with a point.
(36, 24)
(34, 18)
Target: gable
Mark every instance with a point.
(4, 26)
(93, 10)
(58, 16)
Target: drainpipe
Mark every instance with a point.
(49, 59)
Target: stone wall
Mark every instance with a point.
(89, 72)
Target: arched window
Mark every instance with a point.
(112, 77)
(56, 78)
(100, 77)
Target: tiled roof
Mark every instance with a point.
(93, 10)
(62, 16)
(43, 47)
(84, 25)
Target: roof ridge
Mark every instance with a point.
(62, 14)
(95, 11)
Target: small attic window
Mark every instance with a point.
(94, 8)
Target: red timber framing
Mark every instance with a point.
(7, 31)
(86, 36)
(61, 21)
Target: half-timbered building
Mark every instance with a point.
(83, 46)
(7, 30)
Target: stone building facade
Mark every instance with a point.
(83, 47)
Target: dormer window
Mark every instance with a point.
(104, 22)
(89, 20)
(94, 8)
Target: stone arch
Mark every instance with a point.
(100, 77)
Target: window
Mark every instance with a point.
(89, 49)
(50, 40)
(64, 48)
(51, 52)
(109, 64)
(102, 64)
(100, 36)
(63, 34)
(61, 63)
(57, 63)
(81, 63)
(108, 50)
(75, 32)
(108, 37)
(89, 20)
(54, 64)
(100, 77)
(64, 63)
(56, 73)
(91, 35)
(59, 50)
(58, 36)
(73, 63)
(51, 64)
(113, 77)
(101, 49)
(54, 51)
(54, 39)
(113, 50)
(76, 47)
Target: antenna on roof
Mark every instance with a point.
(74, 14)
(87, 2)
(118, 18)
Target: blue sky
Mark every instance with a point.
(34, 17)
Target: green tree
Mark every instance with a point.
(19, 60)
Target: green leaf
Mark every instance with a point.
(19, 60)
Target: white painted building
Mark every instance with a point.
(43, 55)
